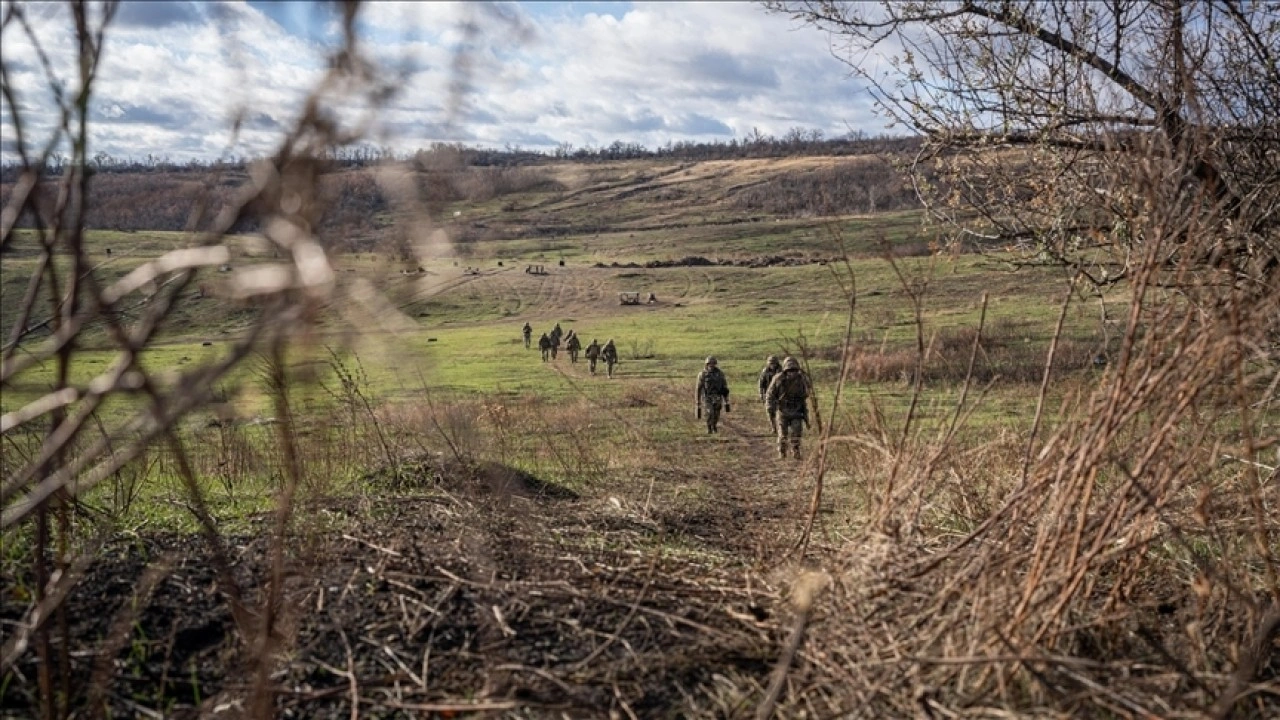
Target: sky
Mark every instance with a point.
(533, 75)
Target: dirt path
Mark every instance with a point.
(447, 587)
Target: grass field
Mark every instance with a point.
(590, 528)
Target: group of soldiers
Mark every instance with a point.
(784, 389)
(550, 343)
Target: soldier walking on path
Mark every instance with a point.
(711, 394)
(554, 336)
(527, 331)
(573, 345)
(593, 354)
(609, 353)
(771, 367)
(544, 344)
(787, 397)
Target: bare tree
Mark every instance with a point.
(1036, 112)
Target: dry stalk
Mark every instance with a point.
(824, 442)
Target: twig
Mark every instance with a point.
(806, 590)
(447, 707)
(353, 686)
(1044, 380)
(1246, 461)
(366, 543)
(539, 672)
(1251, 658)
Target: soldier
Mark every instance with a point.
(555, 343)
(609, 353)
(573, 345)
(771, 367)
(556, 334)
(711, 394)
(787, 398)
(544, 344)
(593, 354)
(527, 331)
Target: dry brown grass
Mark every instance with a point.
(1123, 563)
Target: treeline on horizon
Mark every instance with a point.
(795, 142)
(153, 195)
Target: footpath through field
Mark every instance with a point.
(449, 588)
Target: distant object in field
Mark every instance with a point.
(535, 270)
(628, 298)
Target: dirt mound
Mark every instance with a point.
(760, 261)
(498, 479)
(425, 471)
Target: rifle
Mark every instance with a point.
(699, 411)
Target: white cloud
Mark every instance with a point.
(532, 75)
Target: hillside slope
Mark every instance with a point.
(365, 206)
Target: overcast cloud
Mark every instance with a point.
(533, 74)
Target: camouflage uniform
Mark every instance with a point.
(771, 368)
(528, 335)
(609, 353)
(711, 394)
(544, 344)
(556, 334)
(787, 397)
(593, 354)
(573, 345)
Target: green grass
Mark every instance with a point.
(464, 349)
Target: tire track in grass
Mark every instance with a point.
(419, 294)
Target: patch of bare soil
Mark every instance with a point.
(760, 261)
(474, 588)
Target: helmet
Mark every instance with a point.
(711, 361)
(790, 364)
(772, 360)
